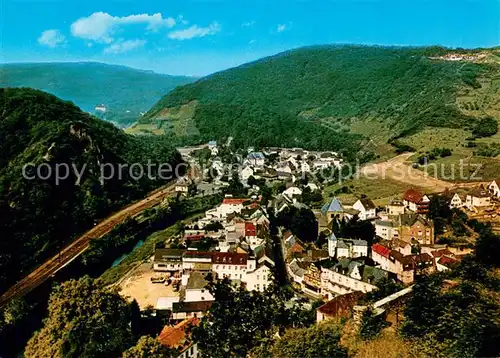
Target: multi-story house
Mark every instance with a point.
(367, 209)
(412, 227)
(168, 260)
(404, 266)
(416, 201)
(349, 276)
(478, 198)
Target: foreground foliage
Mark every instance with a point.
(84, 320)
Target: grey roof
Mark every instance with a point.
(332, 237)
(296, 269)
(351, 211)
(368, 273)
(360, 242)
(255, 155)
(384, 223)
(168, 254)
(196, 281)
(342, 245)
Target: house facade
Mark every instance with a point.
(478, 198)
(415, 227)
(494, 188)
(348, 276)
(456, 202)
(367, 209)
(416, 201)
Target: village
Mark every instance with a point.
(332, 251)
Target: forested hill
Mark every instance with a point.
(125, 91)
(39, 215)
(322, 97)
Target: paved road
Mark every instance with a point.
(78, 246)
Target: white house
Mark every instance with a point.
(359, 248)
(312, 186)
(456, 202)
(385, 229)
(196, 288)
(228, 206)
(416, 201)
(292, 191)
(367, 209)
(319, 165)
(305, 167)
(494, 188)
(395, 207)
(230, 264)
(346, 248)
(256, 159)
(168, 260)
(349, 276)
(477, 198)
(260, 278)
(246, 173)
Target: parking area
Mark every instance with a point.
(138, 286)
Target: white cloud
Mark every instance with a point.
(51, 38)
(248, 23)
(195, 31)
(182, 20)
(100, 26)
(281, 28)
(124, 46)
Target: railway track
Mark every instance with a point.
(78, 246)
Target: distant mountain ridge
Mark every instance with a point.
(124, 91)
(333, 97)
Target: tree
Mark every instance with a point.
(320, 340)
(84, 320)
(487, 249)
(358, 229)
(235, 187)
(240, 320)
(371, 324)
(301, 222)
(251, 180)
(148, 347)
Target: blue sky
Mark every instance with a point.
(204, 36)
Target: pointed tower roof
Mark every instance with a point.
(335, 206)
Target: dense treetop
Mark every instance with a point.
(38, 216)
(309, 97)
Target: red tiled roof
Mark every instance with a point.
(230, 258)
(175, 337)
(250, 229)
(287, 234)
(252, 206)
(447, 261)
(194, 237)
(413, 196)
(381, 250)
(340, 306)
(233, 201)
(441, 252)
(297, 248)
